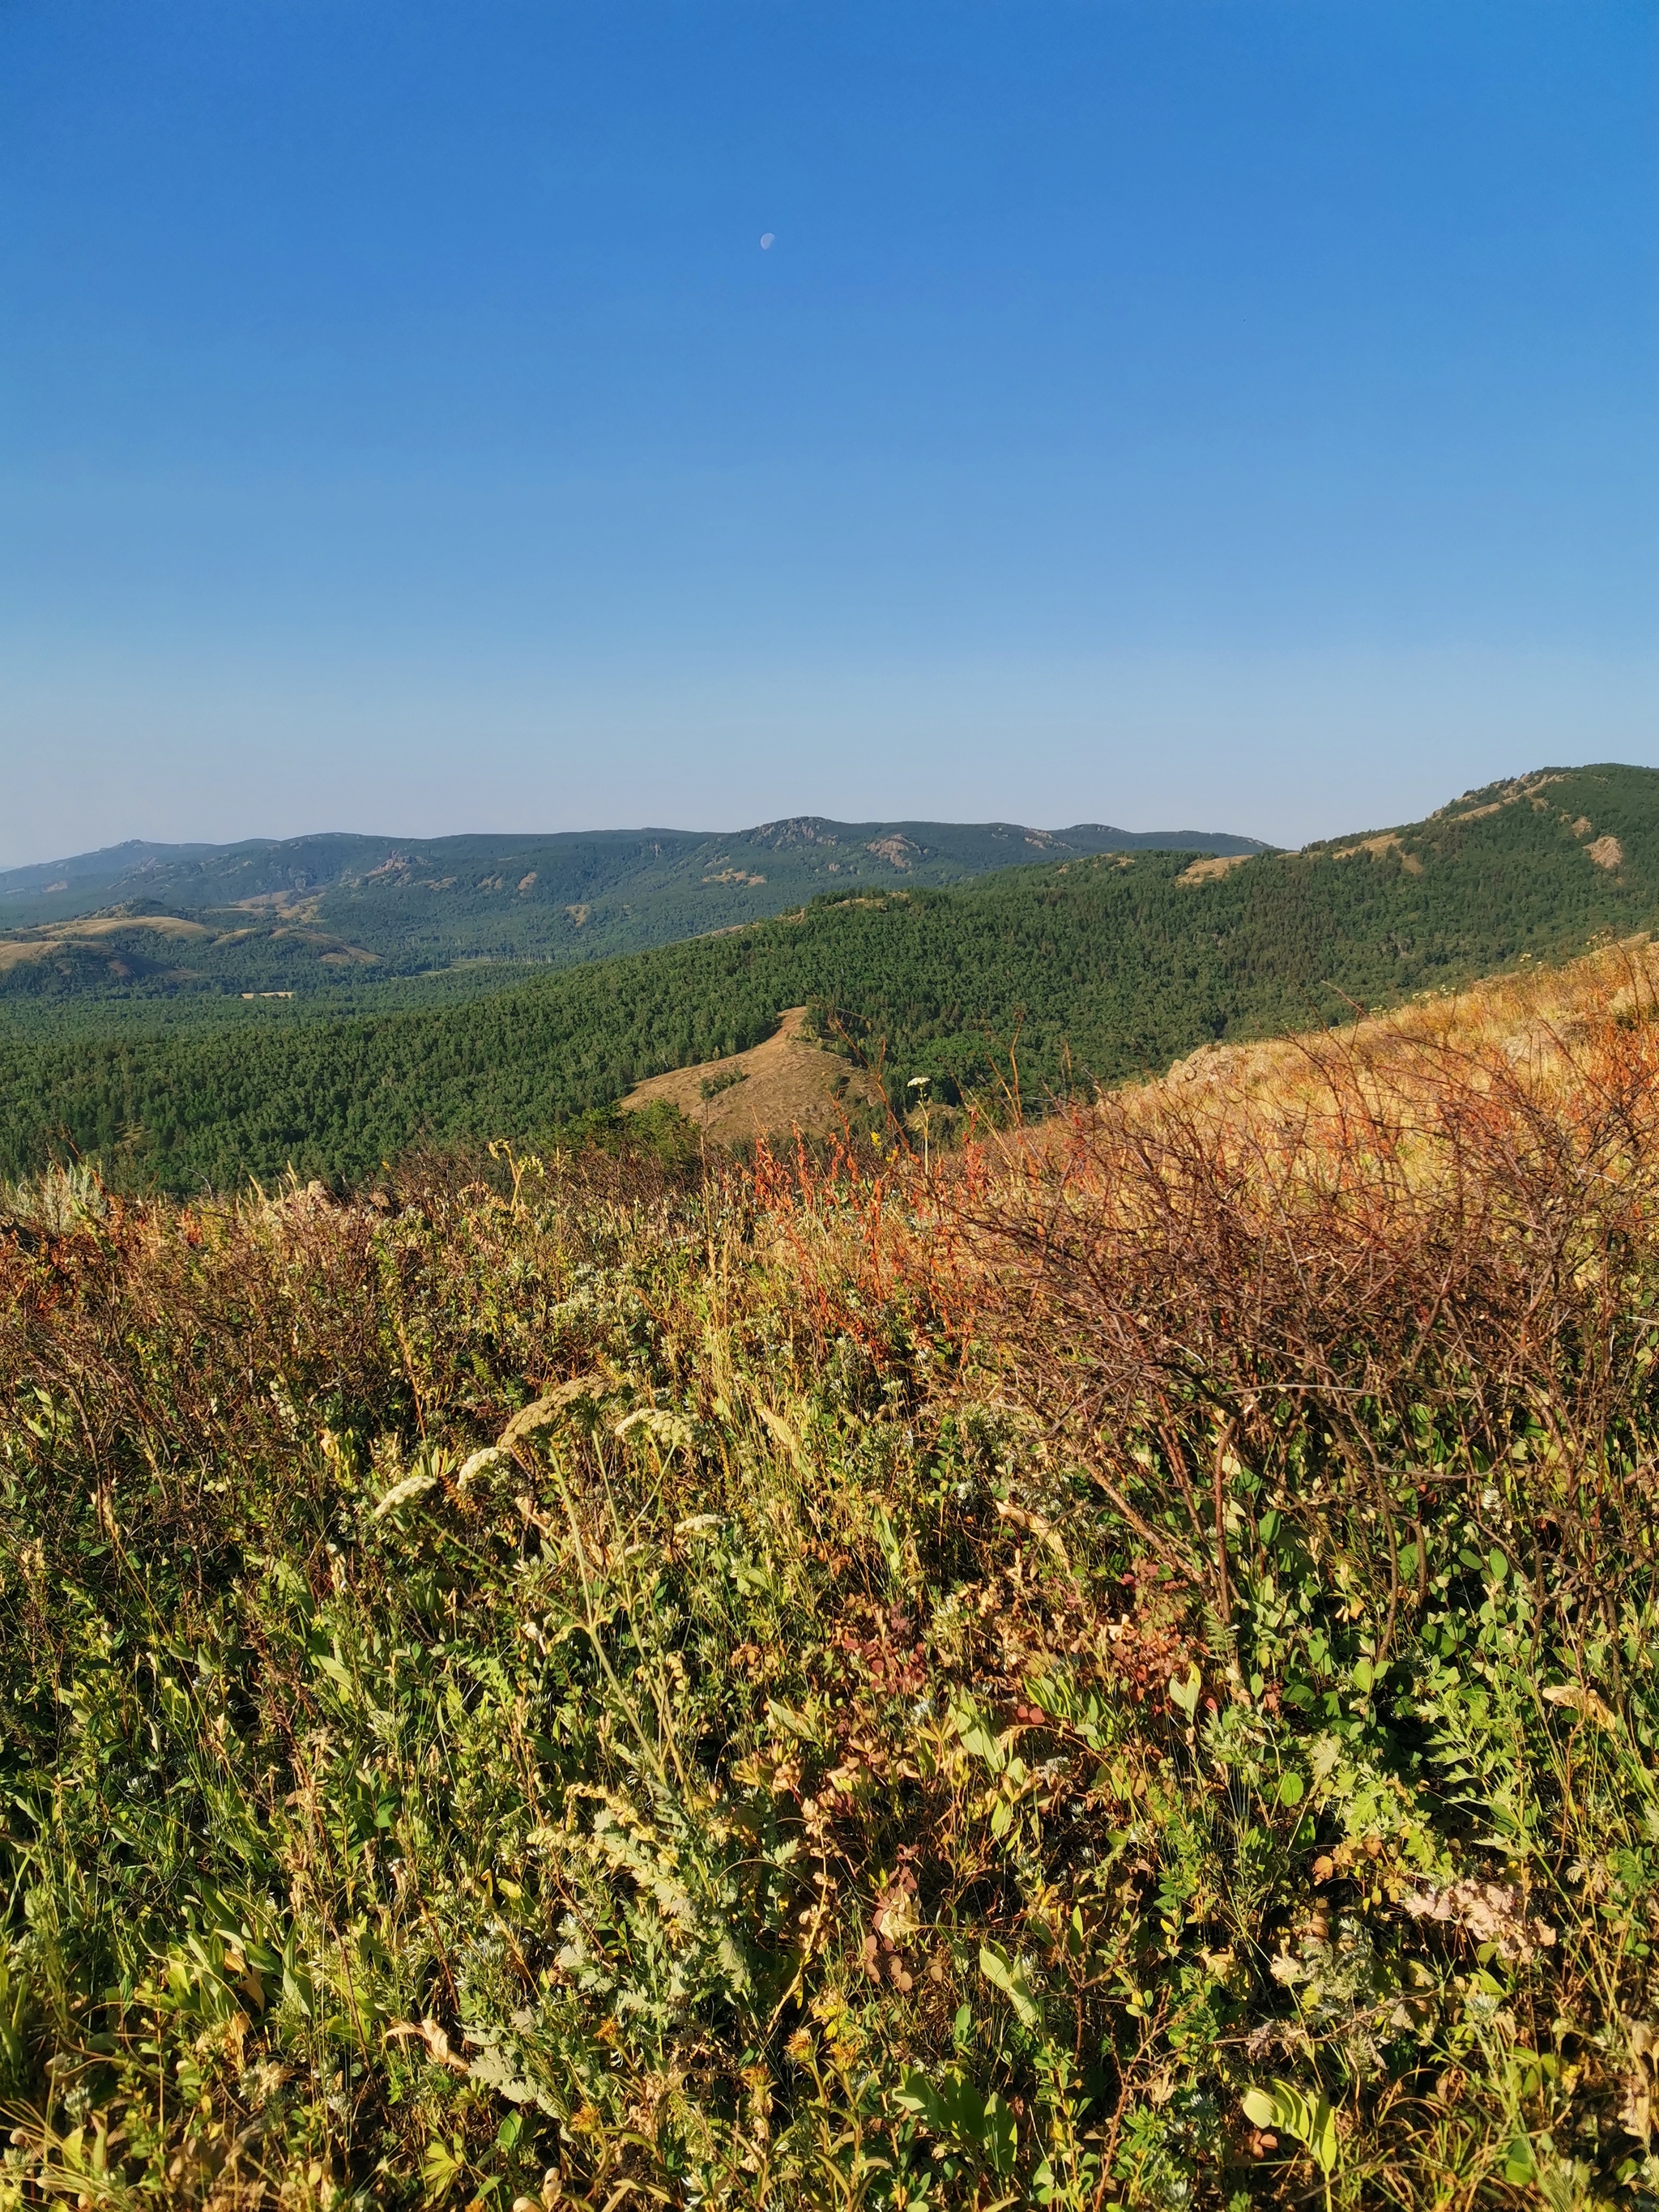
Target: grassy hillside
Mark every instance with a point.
(326, 916)
(1104, 968)
(1126, 1681)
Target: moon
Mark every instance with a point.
(767, 237)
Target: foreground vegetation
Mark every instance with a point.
(1093, 971)
(1118, 1672)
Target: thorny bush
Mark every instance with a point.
(1117, 1673)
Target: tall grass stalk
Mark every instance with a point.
(855, 1685)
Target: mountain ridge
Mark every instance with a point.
(295, 916)
(1097, 970)
(112, 866)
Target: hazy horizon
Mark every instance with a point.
(1236, 414)
(600, 829)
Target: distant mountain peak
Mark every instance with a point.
(795, 829)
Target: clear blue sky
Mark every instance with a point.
(1235, 415)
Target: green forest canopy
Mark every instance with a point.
(362, 919)
(1107, 968)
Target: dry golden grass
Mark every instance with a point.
(855, 1681)
(16, 955)
(295, 906)
(1534, 1017)
(1378, 846)
(789, 1082)
(26, 945)
(1386, 1100)
(1212, 867)
(20, 947)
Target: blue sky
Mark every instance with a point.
(1237, 415)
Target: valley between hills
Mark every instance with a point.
(299, 1030)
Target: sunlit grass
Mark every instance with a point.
(852, 1687)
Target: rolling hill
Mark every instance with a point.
(346, 916)
(1100, 969)
(1156, 1630)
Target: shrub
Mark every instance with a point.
(1116, 1671)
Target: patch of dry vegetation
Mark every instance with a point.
(1535, 1014)
(1118, 1672)
(20, 946)
(790, 1083)
(1211, 869)
(1380, 847)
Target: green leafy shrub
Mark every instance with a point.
(580, 1685)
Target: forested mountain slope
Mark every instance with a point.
(334, 914)
(1103, 968)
